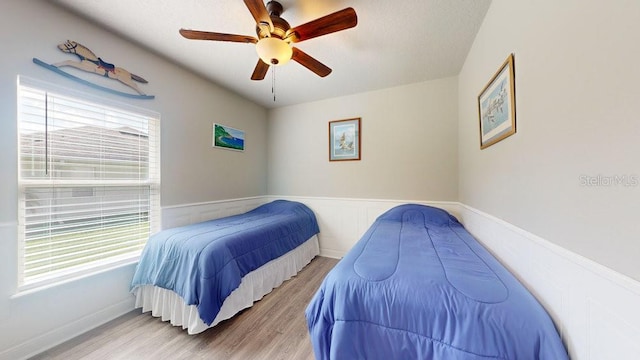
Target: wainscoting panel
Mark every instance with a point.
(8, 267)
(596, 310)
(174, 216)
(343, 221)
(610, 336)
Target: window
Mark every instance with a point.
(89, 183)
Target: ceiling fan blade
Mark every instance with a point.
(310, 63)
(207, 35)
(260, 71)
(337, 21)
(259, 12)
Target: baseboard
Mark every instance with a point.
(50, 339)
(331, 254)
(595, 308)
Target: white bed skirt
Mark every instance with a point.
(169, 306)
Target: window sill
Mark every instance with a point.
(47, 284)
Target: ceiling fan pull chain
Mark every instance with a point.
(273, 82)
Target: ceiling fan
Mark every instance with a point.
(275, 36)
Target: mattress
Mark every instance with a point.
(417, 285)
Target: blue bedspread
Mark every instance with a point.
(205, 262)
(419, 286)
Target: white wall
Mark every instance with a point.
(408, 134)
(192, 171)
(577, 118)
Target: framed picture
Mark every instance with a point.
(226, 137)
(497, 106)
(344, 140)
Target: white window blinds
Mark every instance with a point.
(89, 181)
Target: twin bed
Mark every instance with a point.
(416, 286)
(197, 275)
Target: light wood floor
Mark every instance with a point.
(274, 328)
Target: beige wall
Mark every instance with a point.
(192, 171)
(409, 151)
(578, 121)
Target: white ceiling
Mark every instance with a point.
(395, 42)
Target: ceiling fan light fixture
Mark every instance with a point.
(274, 51)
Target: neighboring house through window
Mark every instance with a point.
(89, 183)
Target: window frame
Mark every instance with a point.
(24, 184)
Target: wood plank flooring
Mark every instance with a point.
(274, 328)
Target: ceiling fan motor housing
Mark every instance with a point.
(273, 47)
(280, 25)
